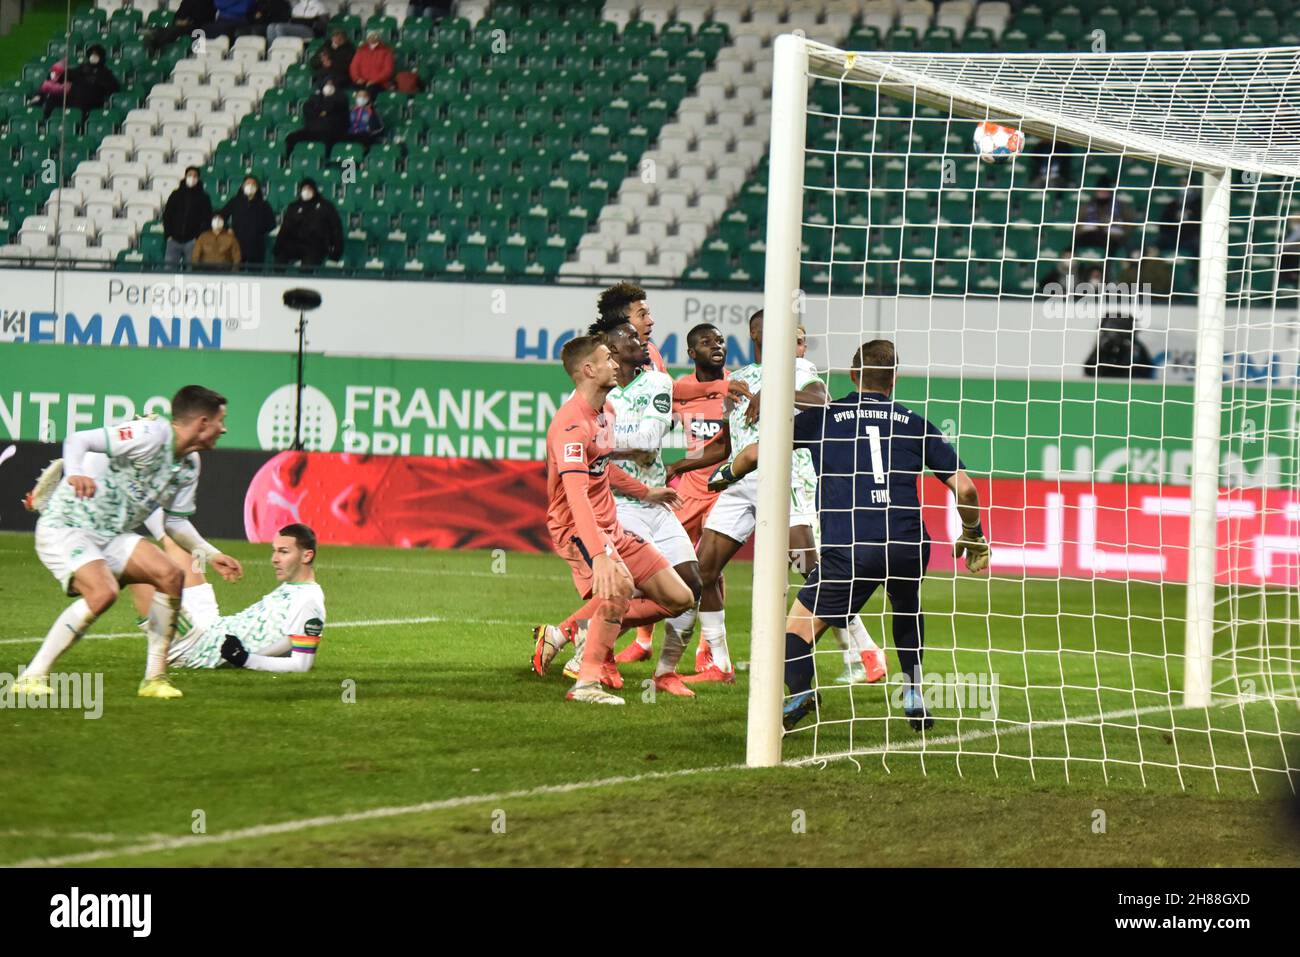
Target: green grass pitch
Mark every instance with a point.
(453, 753)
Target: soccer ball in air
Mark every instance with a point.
(997, 144)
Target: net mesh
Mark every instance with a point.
(1045, 315)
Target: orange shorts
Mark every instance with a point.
(692, 515)
(642, 560)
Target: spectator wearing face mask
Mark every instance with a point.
(311, 231)
(324, 120)
(187, 214)
(217, 248)
(90, 84)
(307, 19)
(190, 16)
(340, 51)
(364, 124)
(250, 217)
(53, 90)
(372, 67)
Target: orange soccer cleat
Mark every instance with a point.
(874, 662)
(633, 653)
(712, 673)
(672, 683)
(609, 675)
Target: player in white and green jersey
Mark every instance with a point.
(643, 405)
(85, 533)
(734, 514)
(280, 632)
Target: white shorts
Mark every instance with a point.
(64, 550)
(660, 527)
(736, 510)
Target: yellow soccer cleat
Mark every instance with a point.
(160, 687)
(30, 685)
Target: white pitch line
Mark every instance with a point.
(288, 827)
(93, 837)
(367, 623)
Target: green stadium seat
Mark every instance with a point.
(1015, 41)
(1030, 21)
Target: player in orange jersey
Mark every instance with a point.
(608, 563)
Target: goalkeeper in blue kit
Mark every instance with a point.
(869, 451)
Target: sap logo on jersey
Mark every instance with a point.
(573, 452)
(705, 428)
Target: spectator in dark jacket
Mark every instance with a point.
(251, 219)
(232, 18)
(311, 231)
(364, 124)
(265, 14)
(324, 120)
(191, 15)
(1119, 353)
(328, 69)
(187, 214)
(91, 83)
(341, 52)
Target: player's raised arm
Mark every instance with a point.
(178, 527)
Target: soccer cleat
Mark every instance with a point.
(673, 684)
(160, 687)
(46, 485)
(609, 675)
(797, 708)
(712, 673)
(854, 674)
(633, 652)
(914, 710)
(572, 669)
(592, 693)
(703, 656)
(30, 685)
(547, 642)
(874, 664)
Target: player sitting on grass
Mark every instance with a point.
(607, 563)
(278, 633)
(732, 519)
(870, 451)
(85, 533)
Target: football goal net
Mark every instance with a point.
(1087, 264)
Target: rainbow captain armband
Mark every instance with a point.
(305, 644)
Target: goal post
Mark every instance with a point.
(1209, 116)
(780, 313)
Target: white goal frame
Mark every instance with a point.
(797, 57)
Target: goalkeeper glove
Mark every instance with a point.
(722, 479)
(233, 650)
(975, 545)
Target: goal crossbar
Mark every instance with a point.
(1208, 110)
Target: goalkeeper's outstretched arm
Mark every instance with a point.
(971, 542)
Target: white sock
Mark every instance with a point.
(846, 645)
(66, 632)
(677, 635)
(713, 629)
(162, 628)
(645, 644)
(859, 638)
